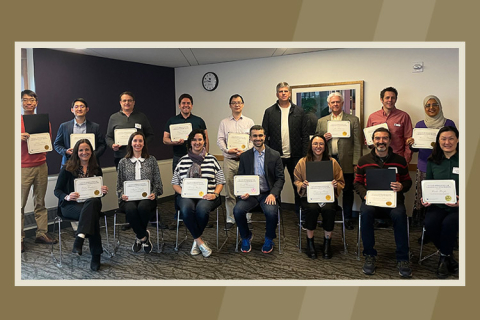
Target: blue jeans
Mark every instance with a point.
(244, 206)
(195, 213)
(399, 219)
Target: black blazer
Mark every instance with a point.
(273, 168)
(62, 141)
(65, 184)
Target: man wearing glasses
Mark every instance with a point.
(234, 124)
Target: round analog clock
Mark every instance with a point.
(210, 81)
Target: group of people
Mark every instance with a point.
(284, 140)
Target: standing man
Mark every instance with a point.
(267, 164)
(383, 157)
(79, 124)
(398, 121)
(345, 150)
(127, 117)
(185, 104)
(236, 123)
(34, 173)
(286, 132)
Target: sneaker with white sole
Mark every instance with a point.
(147, 244)
(137, 245)
(206, 251)
(195, 250)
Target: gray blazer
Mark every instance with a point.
(349, 149)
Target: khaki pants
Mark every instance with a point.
(38, 178)
(230, 169)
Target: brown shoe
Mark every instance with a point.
(23, 248)
(44, 238)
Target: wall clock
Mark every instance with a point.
(210, 81)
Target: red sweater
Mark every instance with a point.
(32, 160)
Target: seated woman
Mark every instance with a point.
(139, 165)
(318, 151)
(197, 163)
(81, 165)
(441, 220)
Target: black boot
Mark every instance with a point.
(311, 252)
(327, 250)
(442, 269)
(77, 245)
(452, 265)
(95, 264)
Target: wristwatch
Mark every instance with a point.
(217, 195)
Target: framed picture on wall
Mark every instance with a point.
(313, 98)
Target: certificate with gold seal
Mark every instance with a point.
(194, 188)
(339, 129)
(424, 138)
(136, 189)
(243, 184)
(90, 187)
(74, 137)
(121, 136)
(180, 131)
(370, 130)
(238, 140)
(39, 142)
(381, 198)
(320, 192)
(439, 191)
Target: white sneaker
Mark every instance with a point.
(206, 251)
(195, 250)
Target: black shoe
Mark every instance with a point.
(95, 264)
(442, 269)
(210, 225)
(147, 244)
(228, 226)
(404, 269)
(369, 265)
(349, 224)
(327, 249)
(452, 264)
(77, 245)
(311, 252)
(126, 227)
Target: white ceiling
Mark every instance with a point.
(185, 57)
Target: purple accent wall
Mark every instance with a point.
(60, 77)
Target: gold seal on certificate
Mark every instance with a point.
(439, 191)
(136, 189)
(320, 192)
(74, 137)
(194, 188)
(339, 129)
(121, 136)
(237, 140)
(39, 142)
(370, 130)
(432, 144)
(424, 138)
(243, 184)
(381, 198)
(180, 131)
(88, 187)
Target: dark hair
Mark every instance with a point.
(29, 93)
(326, 152)
(73, 163)
(382, 130)
(192, 135)
(130, 148)
(437, 153)
(183, 96)
(80, 100)
(256, 127)
(128, 93)
(389, 89)
(236, 95)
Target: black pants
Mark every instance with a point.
(138, 214)
(290, 164)
(88, 216)
(442, 227)
(311, 211)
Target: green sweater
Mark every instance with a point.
(444, 171)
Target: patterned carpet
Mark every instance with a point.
(37, 262)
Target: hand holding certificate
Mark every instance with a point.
(74, 137)
(424, 138)
(439, 191)
(136, 189)
(237, 141)
(320, 192)
(180, 131)
(369, 131)
(339, 129)
(381, 198)
(88, 188)
(39, 142)
(121, 136)
(244, 184)
(194, 188)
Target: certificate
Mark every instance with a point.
(237, 140)
(369, 131)
(439, 191)
(180, 131)
(194, 188)
(424, 138)
(339, 129)
(88, 187)
(74, 137)
(39, 142)
(320, 192)
(243, 184)
(381, 198)
(121, 136)
(136, 189)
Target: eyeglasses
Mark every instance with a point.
(29, 100)
(434, 105)
(125, 101)
(236, 103)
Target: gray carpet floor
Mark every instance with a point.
(226, 264)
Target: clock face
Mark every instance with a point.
(210, 81)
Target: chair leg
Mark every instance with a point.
(359, 238)
(226, 232)
(159, 246)
(56, 261)
(279, 233)
(116, 240)
(300, 231)
(345, 251)
(177, 244)
(236, 242)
